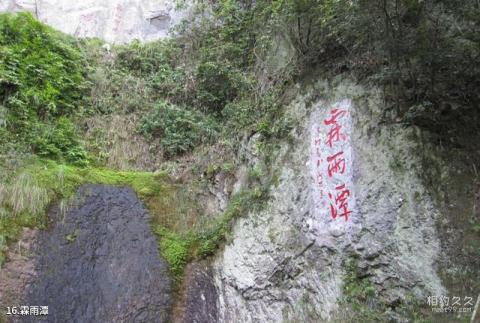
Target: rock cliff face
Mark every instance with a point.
(116, 21)
(349, 198)
(354, 197)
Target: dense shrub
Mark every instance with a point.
(131, 78)
(179, 129)
(216, 85)
(41, 80)
(59, 142)
(148, 58)
(41, 70)
(157, 63)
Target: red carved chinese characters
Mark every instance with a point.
(340, 202)
(334, 133)
(337, 165)
(336, 113)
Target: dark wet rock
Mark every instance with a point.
(100, 263)
(200, 295)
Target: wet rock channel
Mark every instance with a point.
(99, 262)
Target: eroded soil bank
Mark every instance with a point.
(99, 262)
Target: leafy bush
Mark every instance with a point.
(41, 69)
(41, 80)
(157, 64)
(148, 58)
(178, 128)
(115, 91)
(131, 78)
(59, 142)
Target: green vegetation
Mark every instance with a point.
(359, 296)
(41, 83)
(174, 249)
(63, 180)
(61, 141)
(183, 90)
(221, 65)
(130, 78)
(179, 248)
(180, 129)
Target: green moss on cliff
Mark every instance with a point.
(180, 247)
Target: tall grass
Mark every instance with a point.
(114, 141)
(25, 195)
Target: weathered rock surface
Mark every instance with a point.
(116, 21)
(200, 296)
(100, 262)
(288, 261)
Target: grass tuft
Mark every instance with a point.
(25, 195)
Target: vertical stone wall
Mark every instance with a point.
(348, 190)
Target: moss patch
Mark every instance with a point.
(174, 250)
(179, 248)
(63, 180)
